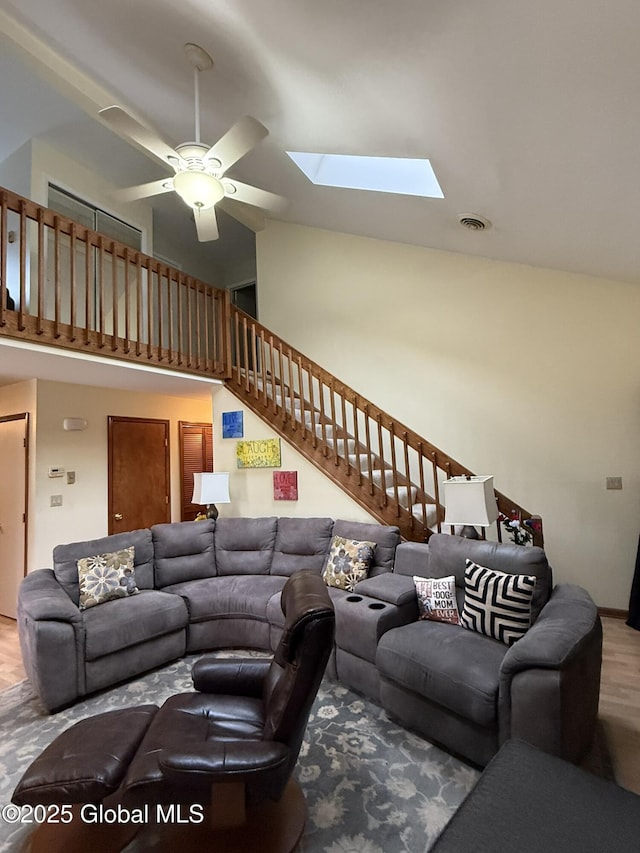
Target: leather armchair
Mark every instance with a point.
(247, 719)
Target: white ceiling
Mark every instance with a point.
(527, 111)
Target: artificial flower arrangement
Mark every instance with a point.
(520, 531)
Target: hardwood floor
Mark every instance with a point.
(619, 694)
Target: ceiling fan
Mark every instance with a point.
(199, 169)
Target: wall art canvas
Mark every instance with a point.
(232, 424)
(260, 453)
(285, 485)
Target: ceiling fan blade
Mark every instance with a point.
(237, 141)
(126, 125)
(206, 224)
(238, 191)
(250, 217)
(164, 185)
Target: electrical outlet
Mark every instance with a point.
(56, 500)
(614, 483)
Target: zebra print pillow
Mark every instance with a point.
(497, 604)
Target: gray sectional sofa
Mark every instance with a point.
(212, 585)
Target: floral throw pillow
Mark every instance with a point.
(348, 562)
(437, 599)
(106, 577)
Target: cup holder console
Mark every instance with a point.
(354, 598)
(377, 605)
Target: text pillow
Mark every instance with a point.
(348, 562)
(106, 577)
(497, 604)
(437, 599)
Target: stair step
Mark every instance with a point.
(431, 512)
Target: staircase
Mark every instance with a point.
(391, 471)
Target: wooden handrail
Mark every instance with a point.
(77, 289)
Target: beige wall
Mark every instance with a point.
(83, 514)
(529, 374)
(251, 489)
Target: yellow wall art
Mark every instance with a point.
(260, 453)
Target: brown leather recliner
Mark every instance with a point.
(242, 731)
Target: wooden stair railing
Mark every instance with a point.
(77, 289)
(384, 465)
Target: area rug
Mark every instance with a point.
(370, 786)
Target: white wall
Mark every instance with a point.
(83, 514)
(529, 374)
(251, 489)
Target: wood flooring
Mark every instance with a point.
(619, 693)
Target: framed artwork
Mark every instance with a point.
(232, 424)
(285, 485)
(261, 453)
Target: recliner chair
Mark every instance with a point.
(235, 741)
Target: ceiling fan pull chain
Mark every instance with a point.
(196, 88)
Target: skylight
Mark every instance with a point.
(380, 174)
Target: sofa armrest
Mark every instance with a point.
(389, 587)
(41, 597)
(556, 636)
(232, 677)
(550, 679)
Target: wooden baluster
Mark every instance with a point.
(263, 369)
(127, 306)
(344, 433)
(312, 406)
(23, 267)
(100, 292)
(367, 427)
(302, 397)
(356, 436)
(421, 461)
(292, 394)
(272, 361)
(114, 297)
(4, 241)
(383, 474)
(158, 274)
(56, 277)
(189, 323)
(138, 305)
(394, 468)
(405, 445)
(150, 317)
(283, 387)
(73, 282)
(245, 351)
(323, 416)
(41, 273)
(207, 325)
(88, 289)
(334, 422)
(170, 314)
(180, 291)
(255, 357)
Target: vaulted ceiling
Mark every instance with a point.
(527, 111)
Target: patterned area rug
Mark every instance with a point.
(370, 786)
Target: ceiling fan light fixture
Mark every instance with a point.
(198, 189)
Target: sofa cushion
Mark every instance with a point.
(65, 559)
(183, 551)
(447, 665)
(348, 562)
(301, 543)
(106, 577)
(228, 597)
(497, 604)
(117, 625)
(386, 537)
(437, 599)
(448, 556)
(244, 546)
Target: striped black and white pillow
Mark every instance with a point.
(497, 604)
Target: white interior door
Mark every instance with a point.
(13, 509)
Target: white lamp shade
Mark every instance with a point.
(470, 501)
(210, 488)
(198, 189)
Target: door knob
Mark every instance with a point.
(118, 516)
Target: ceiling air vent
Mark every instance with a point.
(473, 222)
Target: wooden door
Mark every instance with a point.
(14, 439)
(196, 454)
(139, 493)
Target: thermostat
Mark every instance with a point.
(56, 472)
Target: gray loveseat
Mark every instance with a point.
(213, 585)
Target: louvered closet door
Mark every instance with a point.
(196, 454)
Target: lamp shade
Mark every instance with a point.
(198, 189)
(470, 501)
(211, 488)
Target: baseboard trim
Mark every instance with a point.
(613, 613)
